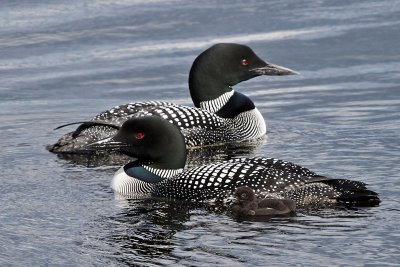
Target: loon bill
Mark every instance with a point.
(220, 114)
(159, 171)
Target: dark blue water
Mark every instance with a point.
(65, 61)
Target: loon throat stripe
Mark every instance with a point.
(163, 173)
(217, 103)
(129, 186)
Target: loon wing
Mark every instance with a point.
(309, 186)
(277, 164)
(69, 124)
(350, 191)
(88, 124)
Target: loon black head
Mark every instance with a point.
(223, 65)
(154, 141)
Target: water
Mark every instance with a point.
(66, 61)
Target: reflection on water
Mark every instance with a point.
(155, 231)
(143, 229)
(96, 159)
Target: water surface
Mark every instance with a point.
(66, 61)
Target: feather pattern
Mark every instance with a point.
(267, 176)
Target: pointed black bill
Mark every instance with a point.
(272, 69)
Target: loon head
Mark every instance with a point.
(223, 65)
(154, 141)
(159, 148)
(244, 194)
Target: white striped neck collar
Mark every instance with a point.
(163, 173)
(217, 103)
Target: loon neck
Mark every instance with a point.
(216, 104)
(204, 89)
(214, 96)
(137, 180)
(149, 173)
(206, 82)
(235, 105)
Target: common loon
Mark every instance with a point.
(247, 204)
(221, 114)
(159, 171)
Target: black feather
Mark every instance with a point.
(88, 124)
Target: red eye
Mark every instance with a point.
(139, 136)
(245, 62)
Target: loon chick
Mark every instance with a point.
(248, 204)
(159, 171)
(221, 114)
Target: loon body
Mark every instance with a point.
(220, 114)
(159, 171)
(247, 204)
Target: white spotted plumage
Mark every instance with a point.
(199, 127)
(267, 176)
